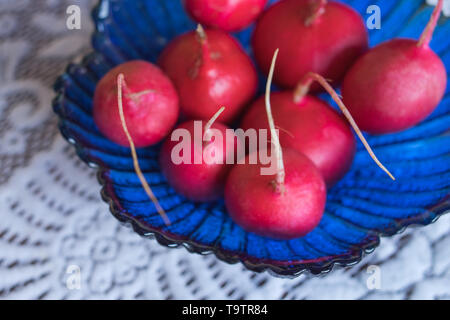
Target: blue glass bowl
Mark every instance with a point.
(365, 205)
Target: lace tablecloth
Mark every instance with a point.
(58, 240)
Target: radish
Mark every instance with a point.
(137, 168)
(150, 104)
(310, 126)
(319, 36)
(200, 180)
(209, 68)
(397, 84)
(227, 15)
(300, 94)
(285, 207)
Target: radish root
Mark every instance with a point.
(279, 186)
(427, 34)
(303, 88)
(206, 133)
(137, 168)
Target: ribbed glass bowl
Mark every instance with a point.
(365, 205)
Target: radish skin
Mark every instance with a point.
(203, 181)
(209, 69)
(227, 15)
(285, 207)
(150, 104)
(299, 95)
(319, 36)
(397, 84)
(309, 126)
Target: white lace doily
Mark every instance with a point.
(55, 230)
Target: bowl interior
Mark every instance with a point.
(360, 208)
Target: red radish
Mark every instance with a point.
(397, 84)
(227, 15)
(254, 203)
(150, 104)
(137, 168)
(301, 93)
(285, 207)
(203, 180)
(309, 126)
(209, 68)
(319, 36)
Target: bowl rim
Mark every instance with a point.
(278, 268)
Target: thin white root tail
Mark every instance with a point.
(427, 34)
(303, 88)
(206, 134)
(281, 174)
(137, 168)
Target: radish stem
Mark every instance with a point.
(427, 34)
(303, 88)
(204, 53)
(201, 33)
(137, 168)
(318, 11)
(203, 39)
(274, 136)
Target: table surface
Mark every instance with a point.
(55, 230)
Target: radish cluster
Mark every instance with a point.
(205, 79)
